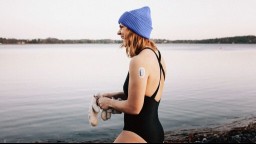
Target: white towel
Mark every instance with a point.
(94, 109)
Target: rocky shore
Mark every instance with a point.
(242, 131)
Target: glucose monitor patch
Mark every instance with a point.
(142, 72)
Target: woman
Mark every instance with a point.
(144, 84)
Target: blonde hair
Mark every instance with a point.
(134, 44)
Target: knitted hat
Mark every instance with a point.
(138, 20)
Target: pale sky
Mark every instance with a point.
(98, 19)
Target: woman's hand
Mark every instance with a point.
(97, 96)
(104, 103)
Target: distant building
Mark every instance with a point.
(21, 42)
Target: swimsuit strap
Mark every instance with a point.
(161, 70)
(161, 66)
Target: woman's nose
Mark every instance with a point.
(119, 32)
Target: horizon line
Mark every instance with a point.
(121, 39)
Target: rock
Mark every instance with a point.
(243, 131)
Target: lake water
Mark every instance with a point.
(45, 90)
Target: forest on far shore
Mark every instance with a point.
(226, 40)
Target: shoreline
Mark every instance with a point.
(245, 39)
(240, 131)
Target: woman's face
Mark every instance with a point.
(122, 31)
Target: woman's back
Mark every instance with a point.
(146, 123)
(154, 76)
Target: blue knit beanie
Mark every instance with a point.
(138, 20)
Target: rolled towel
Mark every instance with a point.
(93, 111)
(106, 114)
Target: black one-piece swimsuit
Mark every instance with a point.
(146, 124)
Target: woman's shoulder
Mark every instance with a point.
(144, 58)
(148, 55)
(137, 60)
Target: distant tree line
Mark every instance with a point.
(55, 41)
(226, 40)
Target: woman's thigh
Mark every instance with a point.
(129, 137)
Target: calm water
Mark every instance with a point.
(45, 90)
